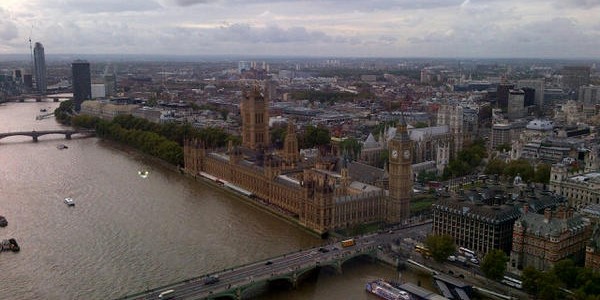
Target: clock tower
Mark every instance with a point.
(400, 175)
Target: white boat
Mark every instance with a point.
(143, 174)
(69, 201)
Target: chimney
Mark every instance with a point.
(547, 215)
(561, 214)
(570, 212)
(525, 208)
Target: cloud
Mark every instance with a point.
(94, 6)
(582, 4)
(8, 28)
(191, 2)
(241, 32)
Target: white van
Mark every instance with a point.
(165, 294)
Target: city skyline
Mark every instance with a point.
(432, 28)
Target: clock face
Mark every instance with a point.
(394, 153)
(406, 154)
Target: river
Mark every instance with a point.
(127, 233)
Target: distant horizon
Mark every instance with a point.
(15, 57)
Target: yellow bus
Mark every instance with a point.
(348, 243)
(422, 249)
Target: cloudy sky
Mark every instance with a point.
(376, 28)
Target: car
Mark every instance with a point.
(452, 258)
(474, 260)
(211, 280)
(268, 263)
(165, 294)
(323, 250)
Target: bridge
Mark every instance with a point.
(36, 134)
(287, 270)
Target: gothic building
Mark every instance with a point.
(312, 193)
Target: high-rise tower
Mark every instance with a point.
(255, 119)
(400, 175)
(82, 83)
(39, 61)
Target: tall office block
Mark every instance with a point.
(538, 86)
(39, 61)
(82, 83)
(502, 92)
(575, 76)
(516, 104)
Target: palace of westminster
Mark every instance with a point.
(318, 193)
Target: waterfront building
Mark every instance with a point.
(39, 61)
(541, 240)
(107, 110)
(82, 83)
(318, 192)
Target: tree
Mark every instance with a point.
(566, 271)
(351, 147)
(426, 176)
(530, 279)
(494, 264)
(495, 166)
(542, 173)
(440, 246)
(315, 136)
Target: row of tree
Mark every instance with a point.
(164, 141)
(550, 285)
(528, 172)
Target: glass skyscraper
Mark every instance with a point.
(40, 68)
(82, 83)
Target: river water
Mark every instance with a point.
(127, 233)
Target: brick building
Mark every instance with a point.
(541, 240)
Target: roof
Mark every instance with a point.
(538, 224)
(365, 173)
(371, 143)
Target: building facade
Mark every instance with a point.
(82, 83)
(579, 188)
(39, 61)
(541, 240)
(475, 224)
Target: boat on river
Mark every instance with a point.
(3, 221)
(61, 146)
(386, 291)
(69, 201)
(143, 173)
(9, 245)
